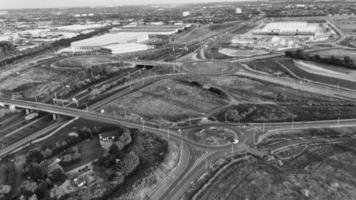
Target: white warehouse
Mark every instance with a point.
(127, 39)
(289, 28)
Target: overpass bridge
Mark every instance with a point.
(64, 111)
(61, 110)
(91, 116)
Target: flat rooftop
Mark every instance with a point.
(291, 26)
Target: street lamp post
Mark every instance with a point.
(143, 124)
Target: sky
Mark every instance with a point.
(15, 4)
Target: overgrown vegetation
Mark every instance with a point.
(332, 60)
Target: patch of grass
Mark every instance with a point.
(89, 150)
(288, 112)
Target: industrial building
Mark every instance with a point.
(289, 28)
(126, 39)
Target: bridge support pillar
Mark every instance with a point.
(54, 116)
(12, 107)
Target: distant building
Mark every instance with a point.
(289, 28)
(300, 5)
(186, 13)
(238, 10)
(126, 39)
(4, 12)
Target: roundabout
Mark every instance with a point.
(213, 136)
(211, 67)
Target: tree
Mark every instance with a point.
(301, 54)
(42, 190)
(129, 163)
(57, 176)
(317, 57)
(348, 61)
(34, 171)
(34, 156)
(289, 53)
(233, 115)
(114, 149)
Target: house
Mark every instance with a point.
(120, 138)
(107, 139)
(107, 136)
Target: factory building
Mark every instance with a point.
(130, 38)
(289, 28)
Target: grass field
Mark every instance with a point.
(316, 77)
(85, 61)
(167, 100)
(279, 67)
(211, 67)
(284, 112)
(347, 24)
(232, 52)
(212, 135)
(89, 150)
(268, 66)
(32, 82)
(258, 101)
(320, 171)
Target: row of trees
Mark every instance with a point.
(233, 115)
(332, 60)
